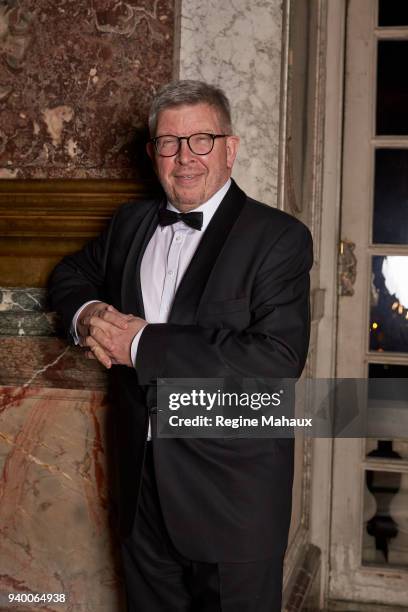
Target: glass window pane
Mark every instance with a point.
(387, 370)
(385, 532)
(392, 87)
(390, 218)
(393, 13)
(389, 304)
(391, 449)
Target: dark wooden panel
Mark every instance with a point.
(43, 220)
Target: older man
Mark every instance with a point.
(203, 283)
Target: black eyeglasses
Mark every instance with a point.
(199, 144)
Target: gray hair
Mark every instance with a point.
(179, 93)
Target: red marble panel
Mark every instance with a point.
(40, 361)
(76, 80)
(55, 532)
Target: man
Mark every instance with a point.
(204, 521)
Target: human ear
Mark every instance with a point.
(150, 151)
(232, 144)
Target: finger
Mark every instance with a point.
(102, 339)
(116, 318)
(92, 344)
(94, 353)
(97, 338)
(97, 352)
(106, 319)
(102, 357)
(111, 311)
(109, 329)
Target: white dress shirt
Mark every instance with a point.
(165, 261)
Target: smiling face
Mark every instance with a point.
(189, 180)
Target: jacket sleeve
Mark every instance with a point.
(274, 344)
(79, 278)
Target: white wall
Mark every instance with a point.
(237, 45)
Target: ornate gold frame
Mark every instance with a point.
(43, 220)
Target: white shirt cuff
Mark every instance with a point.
(73, 328)
(135, 344)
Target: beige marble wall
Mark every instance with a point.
(237, 44)
(57, 545)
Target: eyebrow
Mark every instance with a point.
(182, 136)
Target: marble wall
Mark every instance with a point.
(57, 512)
(237, 45)
(55, 509)
(33, 352)
(76, 80)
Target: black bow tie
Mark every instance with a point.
(192, 219)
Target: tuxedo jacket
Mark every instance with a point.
(241, 309)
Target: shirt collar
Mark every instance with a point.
(208, 208)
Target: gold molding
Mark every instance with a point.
(43, 220)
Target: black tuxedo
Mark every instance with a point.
(242, 308)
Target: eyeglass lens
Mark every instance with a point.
(201, 144)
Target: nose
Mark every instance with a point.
(185, 155)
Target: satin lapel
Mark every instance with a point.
(132, 298)
(192, 286)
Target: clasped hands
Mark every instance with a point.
(108, 333)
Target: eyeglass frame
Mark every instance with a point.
(187, 138)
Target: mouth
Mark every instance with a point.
(187, 177)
